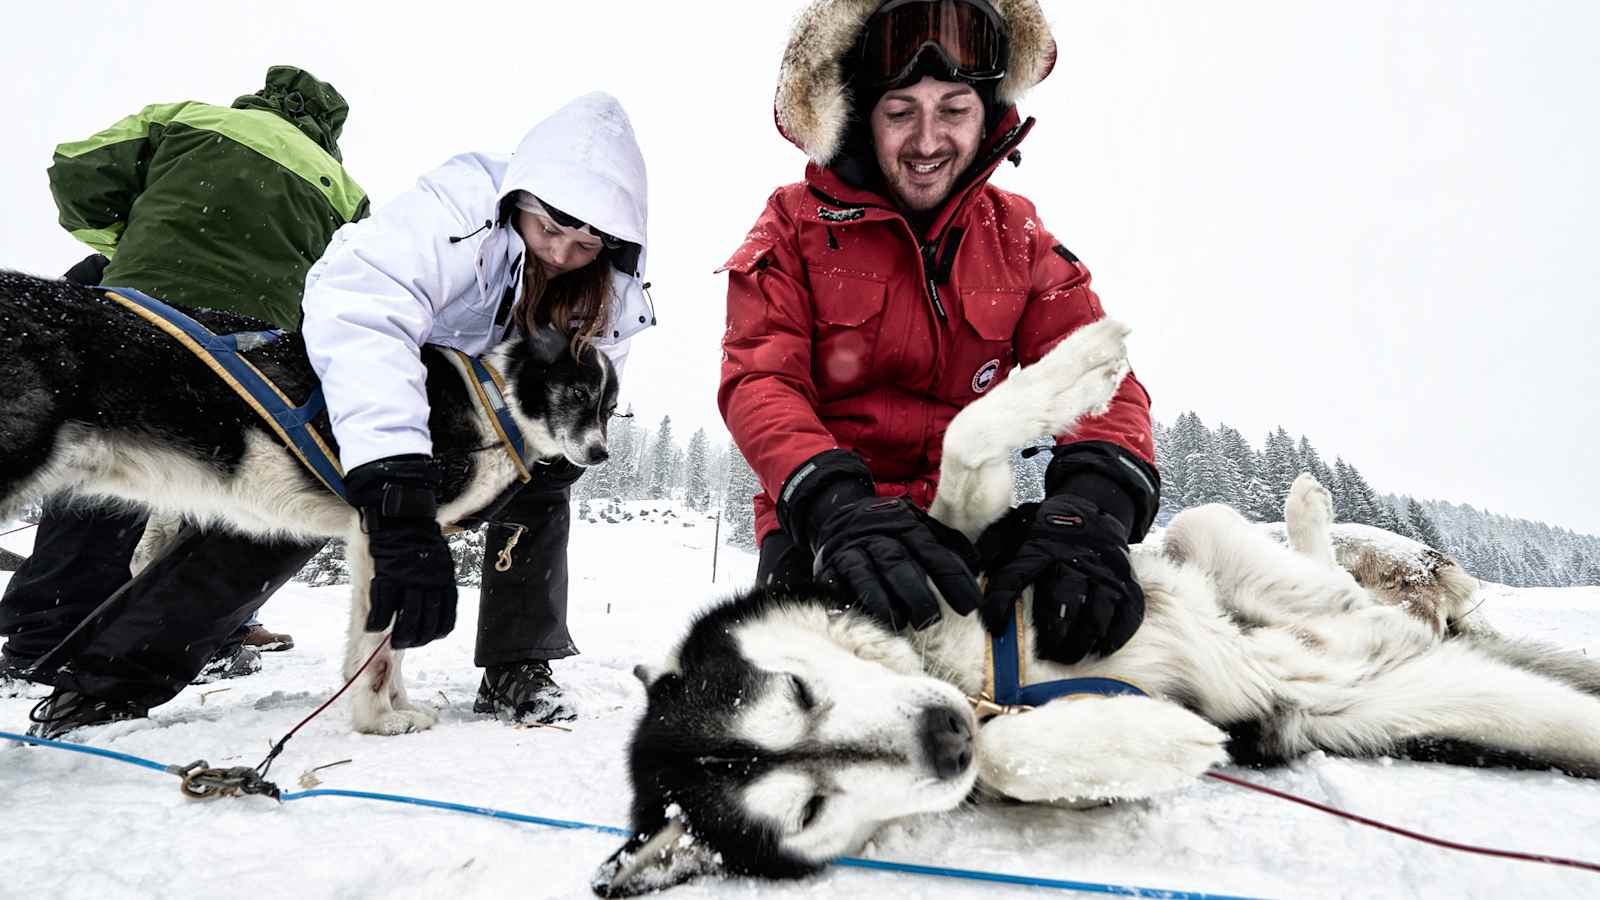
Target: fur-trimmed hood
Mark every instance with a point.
(813, 103)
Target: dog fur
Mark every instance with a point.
(96, 402)
(785, 729)
(813, 102)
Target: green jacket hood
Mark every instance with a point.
(313, 105)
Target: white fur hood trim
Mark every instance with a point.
(813, 104)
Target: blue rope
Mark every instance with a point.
(850, 861)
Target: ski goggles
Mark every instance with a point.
(966, 35)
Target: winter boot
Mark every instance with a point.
(235, 661)
(14, 678)
(524, 693)
(259, 637)
(66, 710)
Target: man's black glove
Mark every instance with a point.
(882, 551)
(89, 270)
(1073, 549)
(414, 578)
(1085, 599)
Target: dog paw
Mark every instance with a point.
(1308, 502)
(397, 721)
(1090, 749)
(1083, 372)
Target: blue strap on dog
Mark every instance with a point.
(223, 355)
(1005, 677)
(491, 394)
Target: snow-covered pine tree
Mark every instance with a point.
(659, 477)
(1421, 528)
(738, 512)
(697, 487)
(1280, 465)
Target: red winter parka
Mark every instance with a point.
(847, 329)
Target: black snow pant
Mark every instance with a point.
(80, 557)
(522, 612)
(98, 632)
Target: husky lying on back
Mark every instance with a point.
(96, 401)
(787, 728)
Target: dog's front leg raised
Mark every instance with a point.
(378, 698)
(1087, 750)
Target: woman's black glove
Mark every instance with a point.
(414, 577)
(883, 552)
(1085, 598)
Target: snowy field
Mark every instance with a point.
(75, 826)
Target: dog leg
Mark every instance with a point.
(1258, 579)
(1086, 750)
(374, 696)
(1453, 696)
(1308, 516)
(1077, 378)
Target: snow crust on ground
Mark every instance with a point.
(74, 826)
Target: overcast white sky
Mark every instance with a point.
(1372, 222)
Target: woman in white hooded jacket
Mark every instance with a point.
(552, 235)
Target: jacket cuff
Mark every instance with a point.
(1119, 483)
(818, 488)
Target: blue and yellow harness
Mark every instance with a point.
(1006, 691)
(224, 355)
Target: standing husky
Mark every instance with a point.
(96, 401)
(787, 728)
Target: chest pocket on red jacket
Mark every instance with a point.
(986, 348)
(848, 309)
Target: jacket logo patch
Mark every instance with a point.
(985, 376)
(839, 215)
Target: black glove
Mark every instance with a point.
(414, 578)
(89, 270)
(881, 551)
(1085, 598)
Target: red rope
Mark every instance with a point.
(1437, 842)
(278, 747)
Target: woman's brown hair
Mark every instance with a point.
(576, 303)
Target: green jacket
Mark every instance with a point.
(210, 206)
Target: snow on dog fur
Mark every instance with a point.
(786, 728)
(97, 402)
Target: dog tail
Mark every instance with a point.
(1077, 378)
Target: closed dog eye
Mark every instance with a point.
(802, 693)
(813, 808)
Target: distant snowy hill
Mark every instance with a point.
(81, 827)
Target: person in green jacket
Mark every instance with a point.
(201, 206)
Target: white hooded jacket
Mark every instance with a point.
(434, 266)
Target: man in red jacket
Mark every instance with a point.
(892, 287)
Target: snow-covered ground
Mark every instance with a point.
(73, 826)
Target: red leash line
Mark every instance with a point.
(278, 747)
(1393, 829)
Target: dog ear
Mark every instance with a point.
(546, 344)
(655, 861)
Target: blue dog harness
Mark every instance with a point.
(1007, 694)
(223, 354)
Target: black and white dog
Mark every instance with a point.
(785, 729)
(96, 401)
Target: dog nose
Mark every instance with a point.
(598, 455)
(948, 741)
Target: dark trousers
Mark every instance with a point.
(96, 631)
(522, 612)
(81, 555)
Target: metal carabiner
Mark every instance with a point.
(503, 563)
